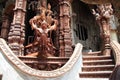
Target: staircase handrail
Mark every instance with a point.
(116, 51)
(23, 68)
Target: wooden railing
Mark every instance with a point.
(116, 53)
(11, 65)
(47, 64)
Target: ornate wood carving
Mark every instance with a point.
(43, 24)
(17, 32)
(103, 15)
(65, 33)
(47, 64)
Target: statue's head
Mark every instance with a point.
(44, 24)
(49, 6)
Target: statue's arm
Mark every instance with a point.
(33, 25)
(53, 27)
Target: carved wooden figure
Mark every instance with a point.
(42, 24)
(44, 44)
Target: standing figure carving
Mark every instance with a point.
(41, 24)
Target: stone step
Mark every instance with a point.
(86, 58)
(95, 74)
(98, 68)
(92, 53)
(98, 62)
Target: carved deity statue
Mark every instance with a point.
(42, 24)
(42, 12)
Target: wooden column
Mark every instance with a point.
(5, 26)
(105, 36)
(103, 15)
(65, 32)
(17, 32)
(105, 32)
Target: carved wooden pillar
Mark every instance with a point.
(105, 32)
(105, 35)
(65, 32)
(5, 26)
(103, 15)
(17, 32)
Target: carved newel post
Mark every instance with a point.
(103, 16)
(65, 32)
(17, 32)
(105, 32)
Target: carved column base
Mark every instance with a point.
(107, 50)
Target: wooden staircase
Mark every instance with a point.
(96, 66)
